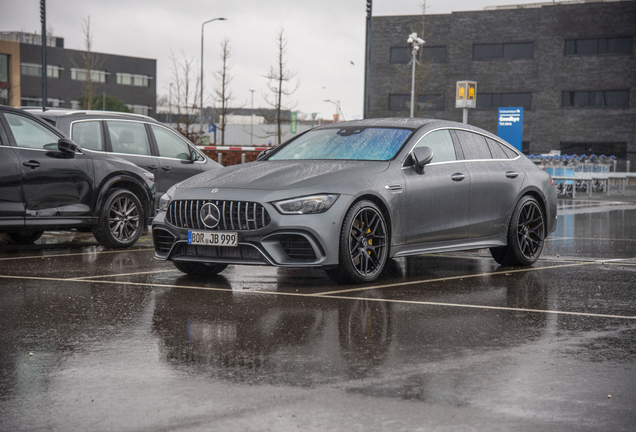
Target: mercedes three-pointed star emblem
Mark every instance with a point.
(210, 215)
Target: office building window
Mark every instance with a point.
(596, 99)
(402, 102)
(497, 100)
(4, 96)
(133, 80)
(509, 51)
(53, 71)
(139, 109)
(599, 46)
(4, 68)
(82, 75)
(434, 54)
(31, 69)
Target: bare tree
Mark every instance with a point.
(222, 93)
(187, 81)
(90, 63)
(279, 83)
(425, 71)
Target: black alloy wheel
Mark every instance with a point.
(363, 245)
(526, 235)
(120, 220)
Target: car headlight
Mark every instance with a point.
(306, 205)
(149, 175)
(165, 199)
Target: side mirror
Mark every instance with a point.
(421, 157)
(263, 154)
(68, 147)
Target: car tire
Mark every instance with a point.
(526, 235)
(25, 238)
(364, 241)
(199, 269)
(121, 220)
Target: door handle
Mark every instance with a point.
(458, 177)
(31, 164)
(166, 168)
(511, 174)
(153, 167)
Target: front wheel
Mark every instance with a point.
(121, 220)
(199, 269)
(526, 235)
(364, 241)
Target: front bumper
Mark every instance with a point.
(287, 241)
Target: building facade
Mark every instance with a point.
(570, 65)
(132, 80)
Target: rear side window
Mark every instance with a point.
(128, 137)
(496, 149)
(169, 144)
(88, 134)
(30, 134)
(442, 145)
(473, 145)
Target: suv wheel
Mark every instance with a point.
(121, 220)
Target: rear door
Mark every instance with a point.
(494, 183)
(437, 201)
(175, 158)
(129, 140)
(11, 203)
(55, 185)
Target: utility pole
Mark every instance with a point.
(367, 59)
(44, 68)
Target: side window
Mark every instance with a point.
(128, 137)
(496, 149)
(473, 145)
(88, 134)
(30, 134)
(442, 145)
(170, 145)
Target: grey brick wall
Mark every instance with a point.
(546, 76)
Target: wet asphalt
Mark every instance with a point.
(102, 340)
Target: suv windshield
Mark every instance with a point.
(349, 143)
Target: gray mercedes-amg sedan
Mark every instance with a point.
(346, 197)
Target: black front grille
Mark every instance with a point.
(163, 240)
(235, 215)
(298, 247)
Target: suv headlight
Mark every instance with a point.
(165, 199)
(306, 205)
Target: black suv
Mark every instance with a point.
(139, 139)
(47, 182)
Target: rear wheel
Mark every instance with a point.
(364, 244)
(526, 234)
(199, 269)
(25, 238)
(120, 220)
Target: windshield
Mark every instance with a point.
(349, 143)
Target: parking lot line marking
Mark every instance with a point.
(458, 305)
(122, 274)
(367, 288)
(76, 254)
(587, 238)
(324, 296)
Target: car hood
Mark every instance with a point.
(282, 175)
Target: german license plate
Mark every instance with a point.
(217, 238)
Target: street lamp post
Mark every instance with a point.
(252, 121)
(338, 110)
(415, 43)
(201, 100)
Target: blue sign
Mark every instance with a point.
(211, 128)
(510, 125)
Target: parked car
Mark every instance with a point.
(346, 197)
(139, 139)
(48, 182)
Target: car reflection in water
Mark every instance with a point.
(300, 341)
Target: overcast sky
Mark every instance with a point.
(324, 38)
